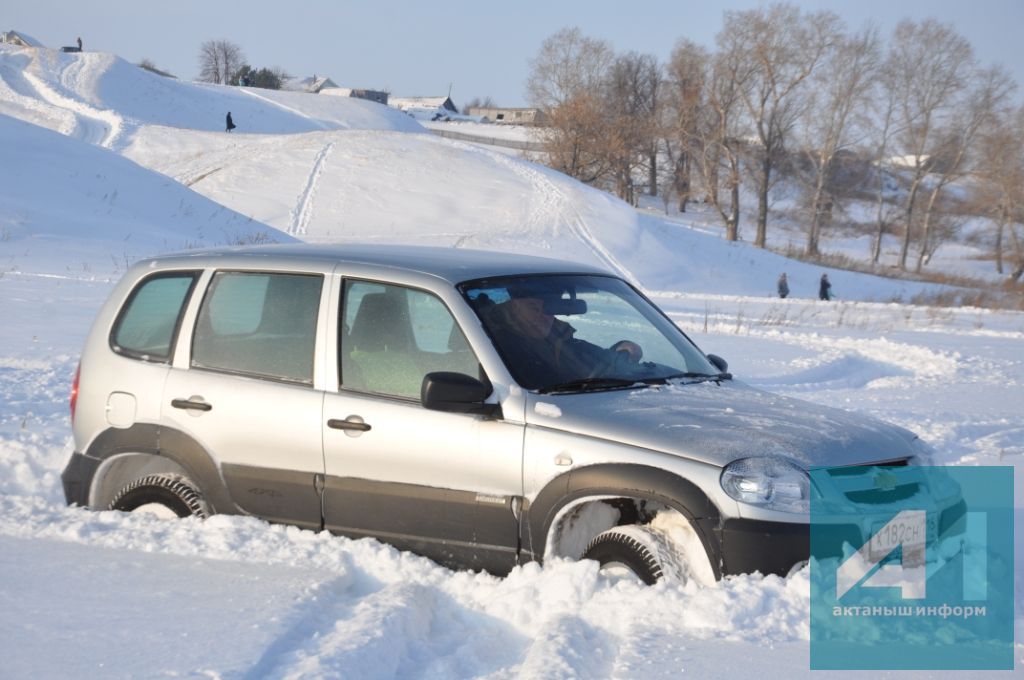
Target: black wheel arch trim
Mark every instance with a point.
(156, 440)
(625, 479)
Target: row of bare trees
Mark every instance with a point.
(224, 63)
(845, 120)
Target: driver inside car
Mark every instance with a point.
(542, 348)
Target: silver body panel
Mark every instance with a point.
(465, 476)
(718, 422)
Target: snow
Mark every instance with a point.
(503, 131)
(543, 408)
(105, 163)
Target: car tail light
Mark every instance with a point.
(74, 392)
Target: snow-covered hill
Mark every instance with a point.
(103, 99)
(133, 164)
(346, 170)
(71, 208)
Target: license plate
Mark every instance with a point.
(886, 536)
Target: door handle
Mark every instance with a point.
(192, 404)
(349, 424)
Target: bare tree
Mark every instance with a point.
(632, 96)
(999, 193)
(838, 93)
(219, 60)
(685, 84)
(977, 108)
(568, 65)
(478, 103)
(782, 47)
(884, 122)
(566, 79)
(721, 136)
(929, 64)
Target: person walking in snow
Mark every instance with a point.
(230, 123)
(825, 288)
(79, 43)
(783, 286)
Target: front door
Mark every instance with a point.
(443, 485)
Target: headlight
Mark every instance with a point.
(768, 482)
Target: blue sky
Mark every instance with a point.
(421, 48)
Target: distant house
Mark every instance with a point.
(909, 161)
(370, 95)
(423, 103)
(521, 116)
(19, 38)
(313, 84)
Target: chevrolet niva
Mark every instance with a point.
(482, 409)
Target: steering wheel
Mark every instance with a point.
(614, 360)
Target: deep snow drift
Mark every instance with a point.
(86, 594)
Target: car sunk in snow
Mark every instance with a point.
(485, 410)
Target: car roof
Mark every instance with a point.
(451, 264)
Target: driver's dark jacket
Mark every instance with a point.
(539, 362)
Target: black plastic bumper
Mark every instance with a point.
(750, 545)
(77, 478)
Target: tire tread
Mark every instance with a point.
(177, 485)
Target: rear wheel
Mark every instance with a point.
(163, 495)
(636, 550)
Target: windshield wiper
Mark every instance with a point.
(589, 385)
(688, 374)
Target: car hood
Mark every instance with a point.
(718, 422)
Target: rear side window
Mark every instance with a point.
(259, 324)
(147, 324)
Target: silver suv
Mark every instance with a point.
(484, 410)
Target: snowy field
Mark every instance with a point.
(105, 163)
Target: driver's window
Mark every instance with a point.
(393, 336)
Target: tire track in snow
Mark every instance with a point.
(239, 152)
(102, 127)
(577, 225)
(397, 631)
(200, 176)
(303, 211)
(557, 203)
(569, 647)
(17, 91)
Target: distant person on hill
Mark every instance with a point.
(825, 288)
(230, 123)
(783, 286)
(79, 43)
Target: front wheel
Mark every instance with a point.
(634, 549)
(163, 495)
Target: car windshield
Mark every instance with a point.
(573, 332)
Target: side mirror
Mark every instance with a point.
(456, 393)
(719, 362)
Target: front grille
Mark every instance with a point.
(877, 483)
(854, 470)
(881, 497)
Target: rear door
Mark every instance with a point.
(246, 391)
(444, 485)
